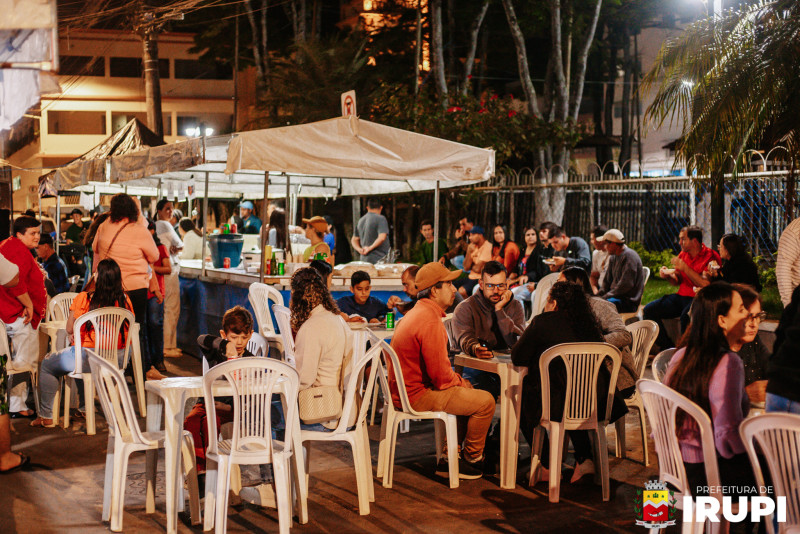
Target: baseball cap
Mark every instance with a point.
(477, 230)
(317, 223)
(74, 211)
(432, 273)
(614, 236)
(247, 205)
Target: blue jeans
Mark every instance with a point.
(776, 403)
(53, 368)
(155, 331)
(522, 294)
(668, 307)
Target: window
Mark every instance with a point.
(82, 66)
(76, 122)
(131, 67)
(191, 69)
(120, 118)
(208, 123)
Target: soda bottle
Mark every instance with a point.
(234, 228)
(268, 267)
(390, 321)
(273, 265)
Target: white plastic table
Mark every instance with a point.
(510, 404)
(174, 391)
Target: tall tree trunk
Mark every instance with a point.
(435, 7)
(522, 59)
(484, 54)
(152, 81)
(451, 39)
(474, 31)
(580, 62)
(626, 149)
(259, 32)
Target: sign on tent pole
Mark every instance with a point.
(349, 104)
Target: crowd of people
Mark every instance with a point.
(484, 286)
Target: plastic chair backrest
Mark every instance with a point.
(661, 363)
(260, 296)
(542, 292)
(646, 275)
(583, 362)
(5, 347)
(252, 382)
(778, 438)
(393, 366)
(58, 307)
(353, 390)
(258, 345)
(108, 324)
(644, 335)
(283, 316)
(115, 398)
(662, 404)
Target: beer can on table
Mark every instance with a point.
(226, 263)
(390, 320)
(281, 268)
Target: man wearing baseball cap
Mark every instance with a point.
(623, 283)
(76, 230)
(250, 223)
(420, 341)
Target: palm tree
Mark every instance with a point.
(734, 83)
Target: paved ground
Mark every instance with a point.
(62, 491)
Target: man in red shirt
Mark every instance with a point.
(686, 273)
(431, 384)
(22, 307)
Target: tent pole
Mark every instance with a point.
(288, 218)
(264, 233)
(205, 230)
(436, 223)
(58, 220)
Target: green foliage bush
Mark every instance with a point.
(653, 259)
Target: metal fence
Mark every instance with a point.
(649, 210)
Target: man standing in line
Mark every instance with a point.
(250, 223)
(420, 341)
(687, 273)
(787, 268)
(623, 283)
(569, 252)
(172, 285)
(76, 230)
(371, 236)
(22, 308)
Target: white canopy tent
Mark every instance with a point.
(343, 156)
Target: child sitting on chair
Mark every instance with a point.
(237, 328)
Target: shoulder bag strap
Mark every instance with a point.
(108, 250)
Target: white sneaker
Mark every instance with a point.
(586, 468)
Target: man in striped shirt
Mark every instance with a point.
(787, 269)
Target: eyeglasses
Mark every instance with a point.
(757, 317)
(501, 287)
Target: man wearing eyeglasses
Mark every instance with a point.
(491, 319)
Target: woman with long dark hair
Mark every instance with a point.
(737, 265)
(107, 293)
(567, 318)
(503, 250)
(276, 237)
(192, 240)
(531, 268)
(708, 371)
(323, 342)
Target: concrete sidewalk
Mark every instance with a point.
(62, 492)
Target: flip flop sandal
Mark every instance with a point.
(39, 422)
(78, 414)
(24, 461)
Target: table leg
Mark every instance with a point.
(153, 424)
(138, 377)
(510, 405)
(298, 463)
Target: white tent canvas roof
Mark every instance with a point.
(341, 156)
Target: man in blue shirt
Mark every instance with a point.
(250, 223)
(54, 266)
(360, 302)
(330, 239)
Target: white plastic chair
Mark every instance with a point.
(252, 381)
(644, 335)
(778, 438)
(541, 294)
(583, 362)
(661, 363)
(662, 404)
(5, 350)
(283, 316)
(58, 307)
(260, 296)
(638, 313)
(125, 437)
(258, 345)
(357, 392)
(107, 324)
(393, 417)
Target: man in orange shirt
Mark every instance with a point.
(431, 384)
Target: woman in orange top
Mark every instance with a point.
(505, 251)
(107, 292)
